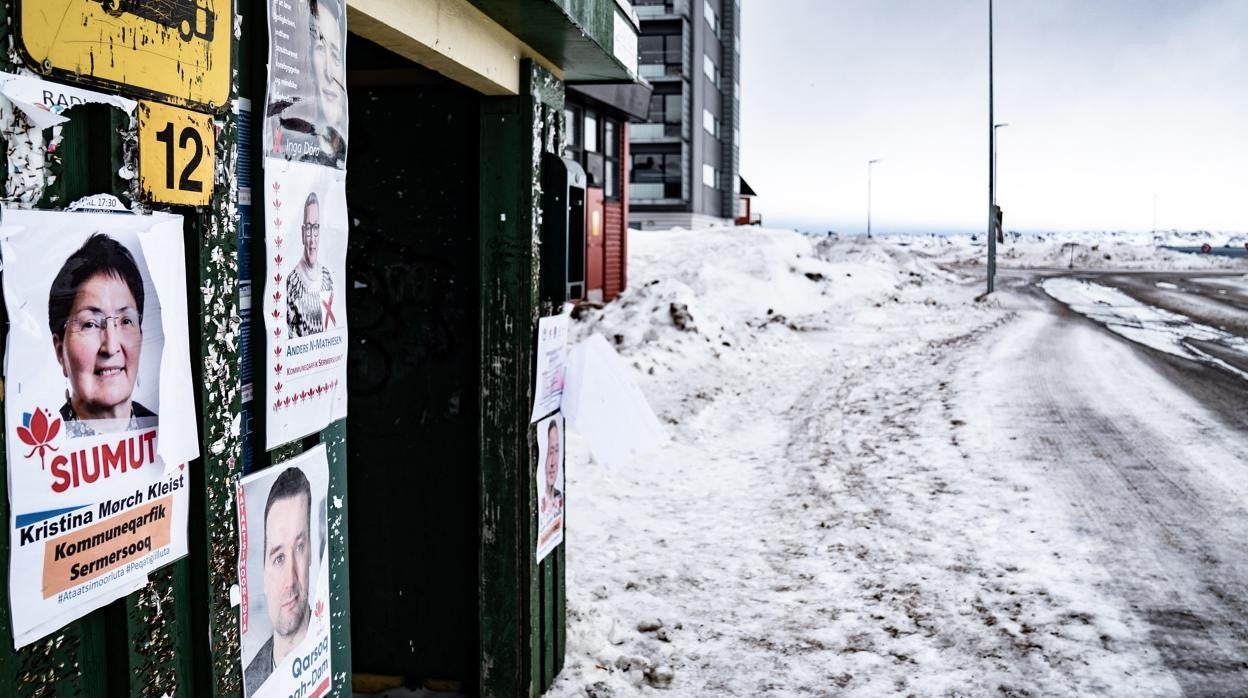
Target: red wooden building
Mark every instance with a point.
(598, 117)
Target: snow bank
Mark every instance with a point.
(816, 526)
(1085, 251)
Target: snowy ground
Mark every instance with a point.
(827, 519)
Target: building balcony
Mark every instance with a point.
(671, 9)
(654, 133)
(651, 194)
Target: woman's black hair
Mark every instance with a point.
(100, 254)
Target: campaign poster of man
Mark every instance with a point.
(550, 482)
(99, 409)
(305, 300)
(306, 111)
(283, 574)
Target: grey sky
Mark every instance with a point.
(1109, 102)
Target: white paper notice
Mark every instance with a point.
(552, 358)
(603, 404)
(99, 412)
(44, 102)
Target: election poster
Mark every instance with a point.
(283, 574)
(305, 300)
(550, 481)
(305, 203)
(99, 409)
(306, 108)
(552, 355)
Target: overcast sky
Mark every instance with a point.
(1109, 102)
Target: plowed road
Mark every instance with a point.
(1148, 450)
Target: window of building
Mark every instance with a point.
(656, 176)
(591, 132)
(660, 55)
(708, 12)
(573, 144)
(663, 120)
(710, 177)
(611, 158)
(710, 70)
(710, 123)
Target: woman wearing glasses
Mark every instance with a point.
(95, 312)
(309, 287)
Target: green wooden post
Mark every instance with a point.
(515, 132)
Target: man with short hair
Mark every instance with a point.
(552, 498)
(287, 558)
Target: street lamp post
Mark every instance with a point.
(992, 159)
(869, 164)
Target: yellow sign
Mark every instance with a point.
(173, 50)
(177, 154)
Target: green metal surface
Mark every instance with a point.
(578, 36)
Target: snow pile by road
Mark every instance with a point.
(819, 524)
(1086, 251)
(1153, 327)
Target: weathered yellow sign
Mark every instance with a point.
(173, 50)
(177, 155)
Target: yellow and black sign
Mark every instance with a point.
(172, 50)
(177, 155)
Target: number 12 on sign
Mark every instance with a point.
(177, 155)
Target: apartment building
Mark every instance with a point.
(685, 160)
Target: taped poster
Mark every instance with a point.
(552, 356)
(283, 573)
(305, 310)
(550, 483)
(99, 409)
(305, 137)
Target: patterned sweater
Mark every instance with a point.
(303, 302)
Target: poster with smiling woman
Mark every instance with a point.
(99, 413)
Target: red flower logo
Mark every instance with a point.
(37, 432)
(320, 608)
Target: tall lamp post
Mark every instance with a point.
(992, 159)
(869, 164)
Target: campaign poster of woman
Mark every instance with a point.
(306, 115)
(550, 484)
(98, 408)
